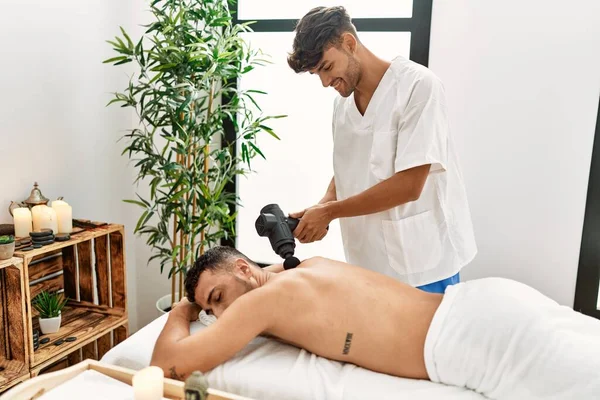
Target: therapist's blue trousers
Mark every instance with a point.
(440, 286)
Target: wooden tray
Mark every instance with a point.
(35, 387)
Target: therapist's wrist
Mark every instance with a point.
(333, 209)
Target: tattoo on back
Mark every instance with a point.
(175, 375)
(348, 343)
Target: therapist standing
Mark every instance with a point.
(397, 187)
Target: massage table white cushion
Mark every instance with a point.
(267, 369)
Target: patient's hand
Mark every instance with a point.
(188, 309)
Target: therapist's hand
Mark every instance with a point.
(313, 223)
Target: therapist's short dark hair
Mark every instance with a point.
(317, 31)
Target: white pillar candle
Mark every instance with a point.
(36, 212)
(148, 384)
(44, 217)
(64, 215)
(23, 221)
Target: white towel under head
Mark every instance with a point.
(206, 319)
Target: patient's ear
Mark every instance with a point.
(243, 268)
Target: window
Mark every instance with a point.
(587, 289)
(272, 9)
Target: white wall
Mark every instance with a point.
(56, 130)
(523, 80)
(54, 126)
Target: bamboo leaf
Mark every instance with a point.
(253, 101)
(138, 203)
(127, 60)
(116, 100)
(257, 150)
(129, 42)
(269, 131)
(114, 59)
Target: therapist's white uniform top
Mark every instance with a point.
(405, 125)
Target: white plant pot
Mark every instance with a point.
(7, 250)
(165, 302)
(50, 325)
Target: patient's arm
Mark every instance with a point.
(180, 354)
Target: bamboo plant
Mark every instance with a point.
(184, 91)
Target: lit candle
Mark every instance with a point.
(64, 215)
(148, 384)
(44, 217)
(23, 222)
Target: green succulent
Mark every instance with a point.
(7, 239)
(49, 305)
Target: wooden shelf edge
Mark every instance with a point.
(38, 363)
(75, 239)
(13, 261)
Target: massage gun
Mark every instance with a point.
(273, 224)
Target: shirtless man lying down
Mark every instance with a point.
(495, 336)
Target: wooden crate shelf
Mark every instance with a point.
(14, 362)
(90, 270)
(84, 324)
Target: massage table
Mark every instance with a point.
(268, 369)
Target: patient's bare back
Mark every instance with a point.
(351, 314)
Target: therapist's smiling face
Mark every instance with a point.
(338, 69)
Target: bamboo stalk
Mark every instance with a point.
(206, 183)
(206, 153)
(194, 203)
(180, 285)
(174, 244)
(181, 255)
(180, 161)
(194, 210)
(186, 238)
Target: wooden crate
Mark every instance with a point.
(14, 360)
(90, 269)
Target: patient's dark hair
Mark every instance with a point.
(317, 31)
(216, 259)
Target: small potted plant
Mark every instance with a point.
(49, 305)
(7, 246)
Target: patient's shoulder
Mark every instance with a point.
(256, 303)
(311, 262)
(258, 297)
